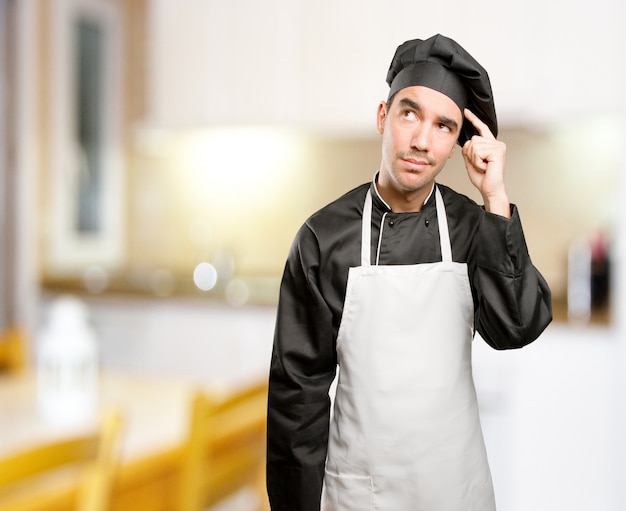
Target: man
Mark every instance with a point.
(388, 283)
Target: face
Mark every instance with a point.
(420, 129)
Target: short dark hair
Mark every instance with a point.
(390, 99)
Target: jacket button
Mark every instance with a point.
(426, 222)
(391, 223)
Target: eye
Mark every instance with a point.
(445, 128)
(408, 114)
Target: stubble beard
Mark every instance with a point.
(423, 179)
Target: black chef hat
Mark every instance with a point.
(441, 64)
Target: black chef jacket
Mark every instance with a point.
(512, 304)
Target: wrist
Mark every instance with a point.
(498, 205)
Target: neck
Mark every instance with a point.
(404, 201)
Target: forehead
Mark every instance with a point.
(430, 101)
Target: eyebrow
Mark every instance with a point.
(442, 118)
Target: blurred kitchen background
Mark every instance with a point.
(158, 156)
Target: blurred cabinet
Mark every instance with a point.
(279, 61)
(324, 63)
(223, 62)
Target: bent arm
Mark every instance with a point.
(514, 303)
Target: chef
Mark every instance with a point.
(383, 291)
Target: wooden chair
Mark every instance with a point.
(225, 450)
(12, 350)
(78, 469)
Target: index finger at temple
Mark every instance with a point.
(483, 129)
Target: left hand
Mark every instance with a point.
(484, 159)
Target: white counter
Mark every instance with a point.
(554, 417)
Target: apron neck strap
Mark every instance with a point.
(366, 229)
(444, 234)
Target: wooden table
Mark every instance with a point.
(155, 413)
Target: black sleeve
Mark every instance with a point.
(513, 300)
(302, 369)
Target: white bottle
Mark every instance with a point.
(67, 363)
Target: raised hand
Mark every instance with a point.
(484, 160)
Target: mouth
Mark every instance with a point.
(416, 165)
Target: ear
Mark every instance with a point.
(381, 115)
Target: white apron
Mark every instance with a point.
(405, 433)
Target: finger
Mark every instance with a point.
(483, 129)
(472, 156)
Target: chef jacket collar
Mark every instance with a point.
(378, 198)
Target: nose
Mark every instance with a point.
(421, 138)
